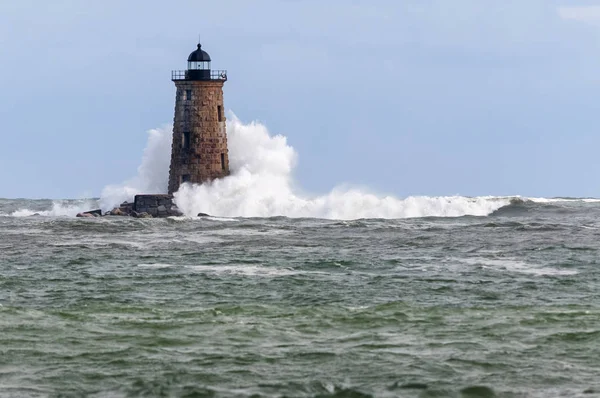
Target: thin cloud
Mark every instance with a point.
(590, 14)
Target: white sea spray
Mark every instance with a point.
(262, 184)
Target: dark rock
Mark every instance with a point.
(123, 210)
(203, 215)
(84, 215)
(90, 213)
(126, 207)
(175, 212)
(116, 212)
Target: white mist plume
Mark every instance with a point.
(153, 172)
(260, 185)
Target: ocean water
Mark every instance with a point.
(502, 301)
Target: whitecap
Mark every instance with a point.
(514, 265)
(243, 269)
(156, 265)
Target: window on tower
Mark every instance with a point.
(220, 112)
(223, 161)
(188, 94)
(185, 143)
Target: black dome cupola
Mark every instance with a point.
(199, 68)
(199, 55)
(199, 64)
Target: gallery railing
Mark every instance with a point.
(199, 74)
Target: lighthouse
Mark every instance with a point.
(199, 149)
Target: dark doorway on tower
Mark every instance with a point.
(185, 178)
(223, 161)
(185, 144)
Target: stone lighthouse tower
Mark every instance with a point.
(199, 149)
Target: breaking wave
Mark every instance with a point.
(261, 184)
(58, 208)
(519, 206)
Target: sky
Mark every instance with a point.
(411, 97)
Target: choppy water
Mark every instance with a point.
(506, 305)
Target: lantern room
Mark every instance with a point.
(199, 68)
(199, 63)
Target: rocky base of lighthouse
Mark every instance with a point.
(156, 205)
(143, 206)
